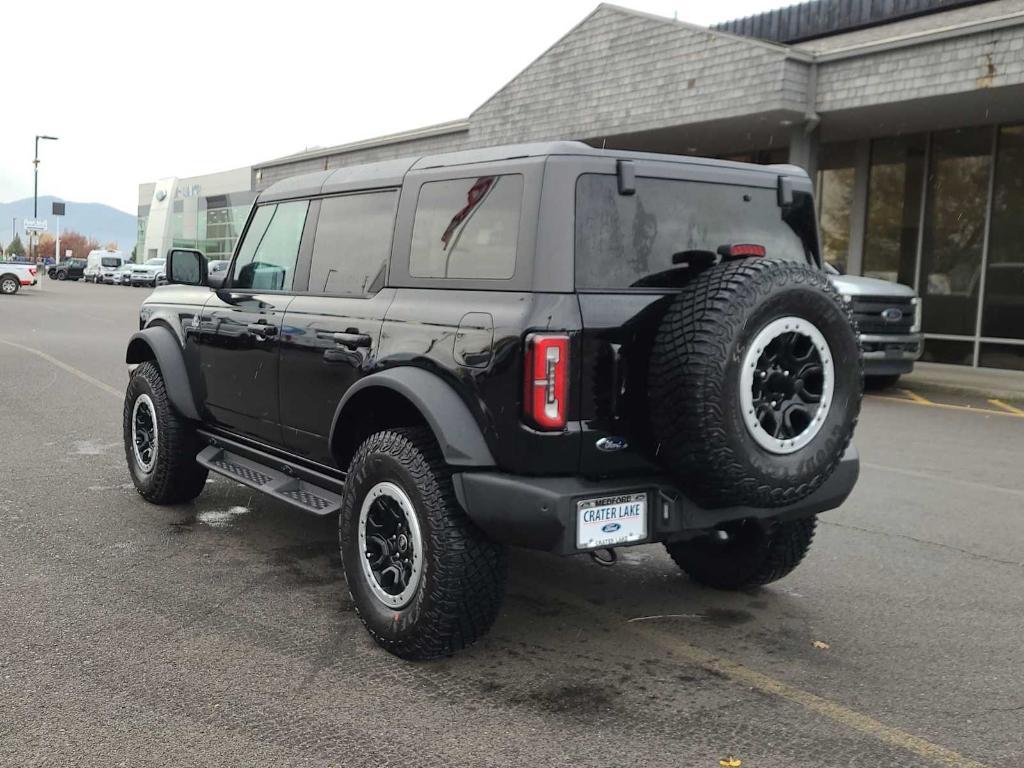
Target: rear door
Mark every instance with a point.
(632, 254)
(333, 328)
(237, 337)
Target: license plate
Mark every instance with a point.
(611, 520)
(893, 352)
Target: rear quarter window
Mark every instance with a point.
(467, 228)
(622, 241)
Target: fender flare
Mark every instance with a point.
(165, 348)
(454, 426)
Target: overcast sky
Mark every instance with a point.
(136, 91)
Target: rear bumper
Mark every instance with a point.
(540, 512)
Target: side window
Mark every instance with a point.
(467, 228)
(352, 244)
(266, 258)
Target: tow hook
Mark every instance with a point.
(608, 560)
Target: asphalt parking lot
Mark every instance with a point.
(220, 633)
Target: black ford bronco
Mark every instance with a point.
(548, 346)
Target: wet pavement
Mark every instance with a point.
(220, 632)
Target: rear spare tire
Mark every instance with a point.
(755, 383)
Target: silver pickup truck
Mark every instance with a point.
(889, 319)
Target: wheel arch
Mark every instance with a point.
(408, 396)
(159, 344)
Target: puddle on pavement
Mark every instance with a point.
(91, 447)
(221, 518)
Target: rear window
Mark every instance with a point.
(625, 241)
(467, 228)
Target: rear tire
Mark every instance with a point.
(62, 275)
(9, 285)
(754, 554)
(160, 445)
(425, 581)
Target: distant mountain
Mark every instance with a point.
(96, 220)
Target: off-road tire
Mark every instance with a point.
(9, 285)
(694, 383)
(462, 583)
(759, 553)
(175, 477)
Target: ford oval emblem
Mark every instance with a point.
(610, 527)
(892, 315)
(611, 444)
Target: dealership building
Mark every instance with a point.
(909, 114)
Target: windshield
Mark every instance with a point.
(625, 241)
(155, 263)
(110, 261)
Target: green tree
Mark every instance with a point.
(16, 248)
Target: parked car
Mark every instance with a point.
(69, 269)
(123, 274)
(888, 317)
(99, 260)
(15, 275)
(546, 345)
(149, 273)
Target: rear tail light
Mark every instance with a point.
(546, 396)
(740, 250)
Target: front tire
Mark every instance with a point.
(425, 581)
(160, 445)
(746, 553)
(62, 275)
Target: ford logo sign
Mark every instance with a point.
(892, 315)
(611, 444)
(610, 527)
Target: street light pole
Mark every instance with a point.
(35, 189)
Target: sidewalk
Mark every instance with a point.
(963, 380)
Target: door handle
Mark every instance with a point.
(351, 339)
(262, 330)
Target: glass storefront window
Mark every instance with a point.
(894, 208)
(1003, 310)
(835, 198)
(954, 231)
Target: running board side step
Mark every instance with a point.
(273, 482)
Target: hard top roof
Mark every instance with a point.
(391, 173)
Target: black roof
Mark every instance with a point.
(391, 173)
(820, 18)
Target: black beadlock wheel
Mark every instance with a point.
(755, 383)
(160, 445)
(745, 553)
(425, 581)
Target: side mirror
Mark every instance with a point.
(186, 267)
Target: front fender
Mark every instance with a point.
(456, 430)
(160, 344)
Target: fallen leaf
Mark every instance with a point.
(819, 644)
(730, 762)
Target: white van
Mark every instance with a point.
(100, 261)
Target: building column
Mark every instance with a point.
(803, 149)
(859, 207)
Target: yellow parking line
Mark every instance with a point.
(950, 406)
(1007, 407)
(738, 673)
(916, 397)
